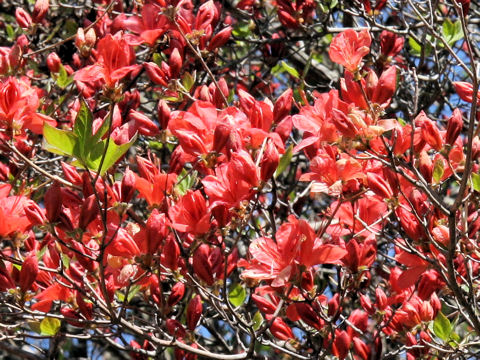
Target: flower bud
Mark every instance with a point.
(220, 136)
(40, 10)
(379, 186)
(90, 38)
(194, 311)
(127, 186)
(454, 127)
(178, 290)
(157, 231)
(269, 161)
(163, 114)
(281, 330)
(175, 63)
(89, 211)
(29, 272)
(34, 213)
(201, 265)
(426, 166)
(175, 328)
(220, 39)
(464, 90)
(23, 18)
(283, 106)
(53, 202)
(155, 74)
(53, 62)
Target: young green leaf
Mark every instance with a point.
(476, 182)
(284, 161)
(50, 326)
(58, 141)
(237, 295)
(442, 327)
(452, 31)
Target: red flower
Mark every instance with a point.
(349, 47)
(149, 27)
(12, 214)
(116, 60)
(190, 214)
(296, 245)
(18, 106)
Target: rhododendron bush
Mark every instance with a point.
(239, 179)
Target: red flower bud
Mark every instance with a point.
(283, 106)
(464, 90)
(220, 39)
(264, 305)
(382, 301)
(281, 330)
(430, 133)
(170, 254)
(71, 174)
(341, 344)
(29, 272)
(269, 161)
(163, 114)
(155, 74)
(426, 166)
(53, 62)
(309, 315)
(127, 186)
(201, 265)
(390, 43)
(194, 311)
(178, 290)
(379, 186)
(175, 63)
(287, 20)
(157, 231)
(361, 349)
(23, 18)
(454, 127)
(89, 211)
(220, 136)
(175, 328)
(86, 308)
(40, 10)
(53, 202)
(34, 213)
(217, 94)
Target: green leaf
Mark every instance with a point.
(442, 327)
(133, 291)
(284, 161)
(63, 80)
(50, 326)
(416, 48)
(10, 32)
(290, 69)
(257, 320)
(65, 261)
(83, 130)
(58, 141)
(452, 31)
(188, 81)
(242, 30)
(187, 181)
(114, 152)
(476, 182)
(237, 295)
(438, 171)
